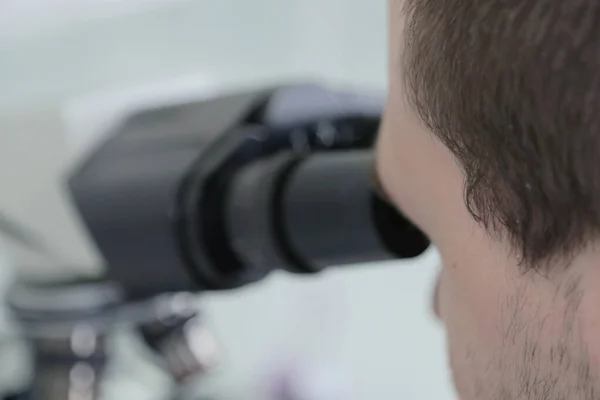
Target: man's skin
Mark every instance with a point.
(512, 334)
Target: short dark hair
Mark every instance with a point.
(512, 88)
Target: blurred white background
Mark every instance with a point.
(81, 59)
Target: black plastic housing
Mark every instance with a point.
(212, 195)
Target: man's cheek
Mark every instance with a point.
(441, 301)
(436, 298)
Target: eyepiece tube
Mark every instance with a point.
(332, 215)
(307, 214)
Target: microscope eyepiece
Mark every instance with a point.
(215, 194)
(304, 214)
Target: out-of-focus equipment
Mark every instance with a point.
(204, 196)
(215, 195)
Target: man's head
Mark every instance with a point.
(491, 144)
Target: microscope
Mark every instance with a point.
(208, 195)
